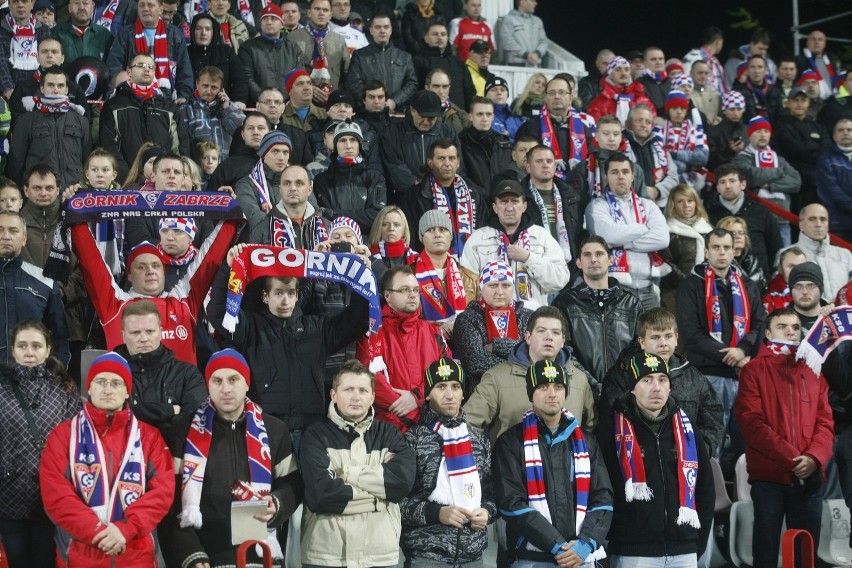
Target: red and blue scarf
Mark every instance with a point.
(142, 93)
(437, 304)
(717, 72)
(619, 264)
(463, 217)
(826, 334)
(319, 60)
(161, 52)
(398, 249)
(90, 469)
(258, 179)
(108, 15)
(49, 104)
(23, 49)
(633, 465)
(284, 235)
(741, 305)
(577, 129)
(458, 482)
(813, 64)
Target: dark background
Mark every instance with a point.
(584, 28)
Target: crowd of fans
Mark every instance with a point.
(345, 278)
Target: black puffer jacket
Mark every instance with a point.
(222, 56)
(462, 90)
(423, 535)
(288, 355)
(598, 334)
(160, 382)
(524, 524)
(800, 142)
(369, 144)
(486, 154)
(690, 389)
(353, 190)
(750, 268)
(649, 528)
(390, 65)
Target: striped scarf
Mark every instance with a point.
(161, 52)
(108, 15)
(142, 93)
(577, 129)
(196, 450)
(825, 335)
(561, 228)
(458, 482)
(633, 465)
(523, 286)
(258, 179)
(778, 295)
(23, 52)
(397, 249)
(284, 234)
(717, 72)
(48, 104)
(319, 61)
(658, 76)
(91, 470)
(582, 468)
(245, 11)
(739, 299)
(687, 137)
(438, 304)
(661, 159)
(463, 216)
(619, 265)
(187, 257)
(813, 64)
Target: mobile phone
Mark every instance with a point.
(342, 246)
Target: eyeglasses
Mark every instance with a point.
(560, 93)
(270, 102)
(805, 287)
(148, 66)
(115, 384)
(406, 290)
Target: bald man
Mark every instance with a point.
(835, 262)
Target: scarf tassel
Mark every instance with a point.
(637, 491)
(190, 517)
(687, 516)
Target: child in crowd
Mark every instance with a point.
(208, 159)
(11, 198)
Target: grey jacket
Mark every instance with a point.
(783, 179)
(519, 35)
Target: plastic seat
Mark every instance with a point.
(834, 533)
(742, 533)
(741, 476)
(723, 502)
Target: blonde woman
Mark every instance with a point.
(390, 237)
(688, 223)
(528, 104)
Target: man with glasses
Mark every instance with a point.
(561, 127)
(439, 83)
(138, 113)
(806, 286)
(107, 498)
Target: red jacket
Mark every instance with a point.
(409, 345)
(778, 295)
(77, 523)
(605, 103)
(179, 307)
(783, 412)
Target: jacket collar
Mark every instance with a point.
(348, 425)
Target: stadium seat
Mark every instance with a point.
(741, 533)
(834, 534)
(741, 476)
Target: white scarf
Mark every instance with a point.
(463, 488)
(696, 232)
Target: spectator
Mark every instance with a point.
(498, 402)
(485, 152)
(340, 14)
(301, 112)
(255, 192)
(477, 65)
(655, 79)
(233, 31)
(417, 16)
(271, 105)
(837, 107)
(438, 82)
(53, 132)
(437, 54)
(407, 344)
(747, 263)
(381, 60)
(523, 41)
(18, 52)
(505, 123)
(732, 200)
(657, 334)
(773, 177)
(708, 101)
(528, 104)
(727, 138)
(589, 86)
(390, 237)
(712, 41)
(516, 169)
(688, 224)
(207, 48)
(141, 174)
(229, 440)
(835, 262)
(443, 189)
(755, 87)
(815, 56)
(267, 58)
(489, 329)
(37, 394)
(78, 35)
(173, 70)
(683, 138)
(810, 83)
(601, 313)
(139, 101)
(373, 100)
(466, 30)
(406, 142)
(11, 198)
(324, 51)
(211, 115)
(292, 15)
(619, 92)
(349, 516)
(788, 440)
(778, 295)
(513, 238)
(758, 45)
(658, 429)
(562, 128)
(834, 183)
(800, 140)
(806, 290)
(719, 346)
(571, 531)
(649, 152)
(94, 530)
(780, 90)
(175, 18)
(241, 160)
(452, 501)
(349, 187)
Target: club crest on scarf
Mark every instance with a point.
(500, 318)
(88, 476)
